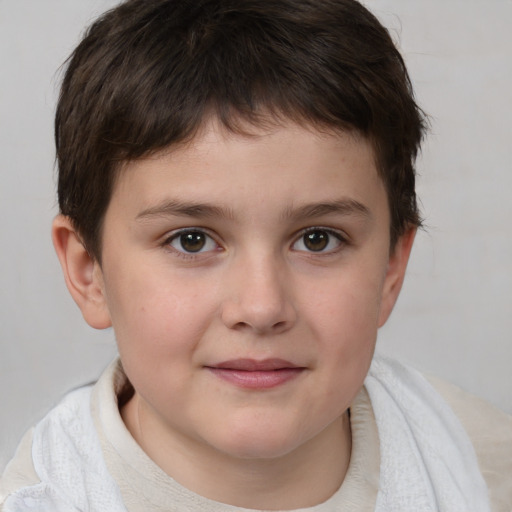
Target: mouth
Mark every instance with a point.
(254, 374)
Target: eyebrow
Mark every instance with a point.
(340, 207)
(184, 209)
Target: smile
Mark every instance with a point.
(252, 374)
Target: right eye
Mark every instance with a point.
(192, 241)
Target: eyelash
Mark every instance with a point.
(339, 237)
(167, 243)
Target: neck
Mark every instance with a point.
(305, 477)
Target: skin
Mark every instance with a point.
(258, 288)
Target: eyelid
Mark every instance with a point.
(339, 235)
(173, 235)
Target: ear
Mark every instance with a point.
(395, 274)
(82, 273)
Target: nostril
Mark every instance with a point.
(240, 325)
(278, 326)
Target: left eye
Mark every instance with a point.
(193, 241)
(318, 240)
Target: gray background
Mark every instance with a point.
(454, 317)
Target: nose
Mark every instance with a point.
(259, 297)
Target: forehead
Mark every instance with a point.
(276, 168)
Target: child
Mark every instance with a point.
(236, 186)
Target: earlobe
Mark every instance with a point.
(82, 273)
(395, 274)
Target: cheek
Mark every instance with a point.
(347, 304)
(348, 309)
(158, 327)
(153, 317)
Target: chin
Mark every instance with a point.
(265, 442)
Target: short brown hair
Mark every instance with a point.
(149, 72)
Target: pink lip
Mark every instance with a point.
(253, 374)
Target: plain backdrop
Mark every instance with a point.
(454, 318)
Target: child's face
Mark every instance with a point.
(235, 254)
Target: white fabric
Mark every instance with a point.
(68, 460)
(428, 463)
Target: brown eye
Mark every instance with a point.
(192, 242)
(316, 240)
(319, 240)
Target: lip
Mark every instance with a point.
(256, 374)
